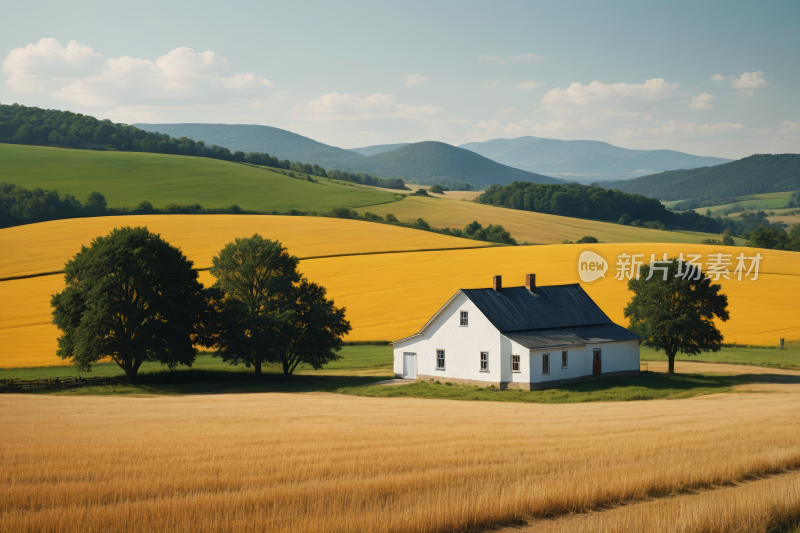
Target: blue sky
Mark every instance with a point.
(710, 78)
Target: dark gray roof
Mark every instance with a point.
(553, 306)
(540, 339)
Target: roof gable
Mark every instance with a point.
(554, 306)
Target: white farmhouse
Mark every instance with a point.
(519, 337)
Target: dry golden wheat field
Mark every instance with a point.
(524, 226)
(391, 295)
(332, 463)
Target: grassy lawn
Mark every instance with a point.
(127, 178)
(359, 365)
(648, 386)
(770, 357)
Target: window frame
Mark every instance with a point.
(564, 359)
(444, 361)
(481, 362)
(464, 319)
(518, 363)
(545, 364)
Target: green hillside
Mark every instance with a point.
(127, 178)
(252, 138)
(377, 149)
(757, 174)
(431, 162)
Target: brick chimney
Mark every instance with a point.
(530, 282)
(497, 282)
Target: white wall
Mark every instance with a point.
(462, 346)
(616, 357)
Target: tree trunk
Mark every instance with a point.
(671, 369)
(257, 365)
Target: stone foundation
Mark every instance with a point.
(503, 385)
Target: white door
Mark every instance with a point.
(409, 366)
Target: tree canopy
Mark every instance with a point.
(254, 275)
(130, 296)
(673, 310)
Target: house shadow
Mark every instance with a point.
(205, 381)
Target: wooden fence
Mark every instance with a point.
(52, 383)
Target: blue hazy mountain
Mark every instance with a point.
(251, 138)
(585, 161)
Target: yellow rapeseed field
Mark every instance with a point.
(524, 226)
(329, 463)
(46, 246)
(390, 296)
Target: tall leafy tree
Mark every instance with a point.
(313, 333)
(130, 296)
(674, 310)
(254, 276)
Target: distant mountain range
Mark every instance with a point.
(432, 162)
(378, 148)
(426, 163)
(250, 138)
(756, 174)
(585, 161)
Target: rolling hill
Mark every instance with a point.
(761, 310)
(585, 161)
(526, 226)
(431, 162)
(378, 148)
(251, 138)
(756, 174)
(426, 162)
(127, 178)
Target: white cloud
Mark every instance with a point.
(495, 83)
(530, 84)
(79, 75)
(746, 93)
(507, 110)
(720, 77)
(351, 107)
(615, 99)
(527, 56)
(517, 128)
(39, 65)
(491, 59)
(749, 80)
(702, 101)
(414, 79)
(789, 127)
(681, 129)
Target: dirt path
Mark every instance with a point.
(683, 512)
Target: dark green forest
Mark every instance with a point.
(32, 125)
(757, 174)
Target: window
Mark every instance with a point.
(464, 318)
(484, 361)
(545, 363)
(439, 359)
(515, 363)
(596, 353)
(564, 355)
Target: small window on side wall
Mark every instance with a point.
(515, 363)
(564, 356)
(484, 361)
(464, 318)
(545, 363)
(439, 359)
